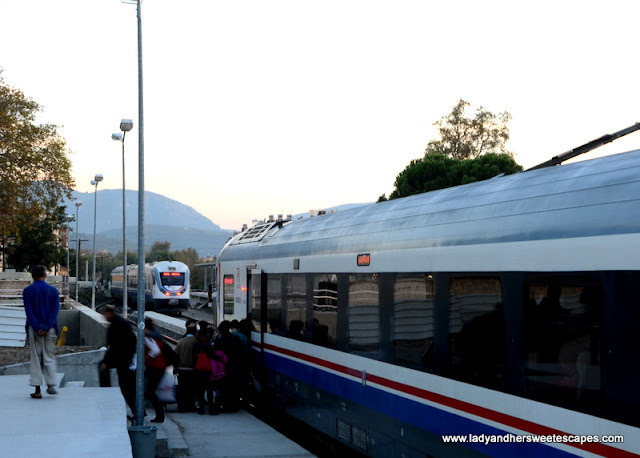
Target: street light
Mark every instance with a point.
(78, 205)
(139, 413)
(69, 220)
(125, 126)
(97, 179)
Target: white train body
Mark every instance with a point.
(167, 286)
(502, 315)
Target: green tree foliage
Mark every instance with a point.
(436, 171)
(36, 241)
(159, 252)
(190, 258)
(469, 150)
(34, 167)
(85, 256)
(463, 137)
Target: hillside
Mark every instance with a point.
(159, 210)
(166, 220)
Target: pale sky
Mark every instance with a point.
(258, 107)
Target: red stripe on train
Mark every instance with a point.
(498, 417)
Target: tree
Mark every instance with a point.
(34, 164)
(436, 171)
(462, 137)
(190, 257)
(36, 241)
(159, 252)
(469, 150)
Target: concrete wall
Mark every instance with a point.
(92, 326)
(75, 367)
(86, 327)
(70, 319)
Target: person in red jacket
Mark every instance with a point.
(155, 366)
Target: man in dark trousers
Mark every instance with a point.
(41, 305)
(187, 376)
(121, 346)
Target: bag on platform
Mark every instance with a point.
(166, 390)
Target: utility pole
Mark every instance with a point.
(79, 245)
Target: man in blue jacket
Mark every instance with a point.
(41, 305)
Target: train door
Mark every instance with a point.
(228, 296)
(256, 299)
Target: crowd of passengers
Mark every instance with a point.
(213, 368)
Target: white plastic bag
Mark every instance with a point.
(166, 390)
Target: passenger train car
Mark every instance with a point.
(166, 286)
(497, 318)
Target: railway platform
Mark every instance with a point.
(91, 421)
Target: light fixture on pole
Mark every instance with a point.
(125, 126)
(78, 205)
(139, 413)
(97, 179)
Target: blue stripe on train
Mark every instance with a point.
(422, 416)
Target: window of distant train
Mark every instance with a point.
(413, 320)
(364, 313)
(476, 330)
(325, 310)
(563, 322)
(297, 302)
(172, 278)
(228, 294)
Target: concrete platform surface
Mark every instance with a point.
(75, 422)
(90, 421)
(237, 434)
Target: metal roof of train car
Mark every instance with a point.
(589, 198)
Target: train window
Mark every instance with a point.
(228, 295)
(413, 320)
(172, 279)
(476, 330)
(274, 297)
(563, 322)
(297, 302)
(256, 300)
(364, 313)
(325, 310)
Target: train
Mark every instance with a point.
(166, 286)
(497, 318)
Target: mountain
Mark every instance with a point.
(165, 220)
(205, 242)
(159, 210)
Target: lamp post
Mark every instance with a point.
(78, 205)
(69, 220)
(139, 413)
(125, 126)
(97, 179)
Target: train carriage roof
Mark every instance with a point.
(589, 198)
